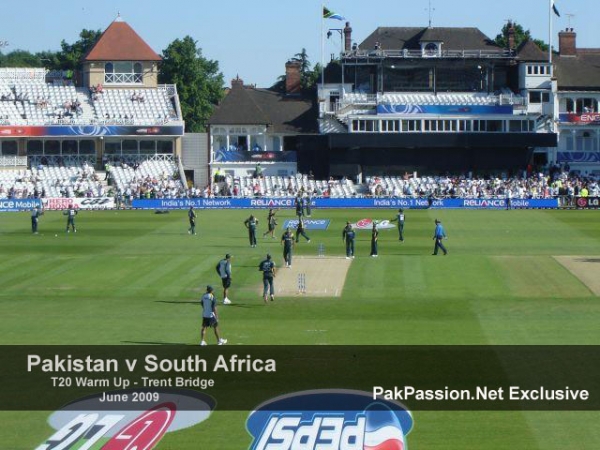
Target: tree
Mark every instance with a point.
(69, 58)
(521, 35)
(199, 81)
(20, 58)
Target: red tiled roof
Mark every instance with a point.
(120, 42)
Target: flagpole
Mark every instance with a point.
(550, 32)
(322, 47)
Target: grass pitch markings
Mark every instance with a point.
(585, 268)
(325, 277)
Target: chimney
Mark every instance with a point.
(567, 43)
(293, 83)
(237, 82)
(347, 37)
(511, 36)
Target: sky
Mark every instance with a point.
(254, 39)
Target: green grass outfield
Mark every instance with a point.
(132, 277)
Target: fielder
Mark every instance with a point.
(267, 267)
(71, 213)
(210, 319)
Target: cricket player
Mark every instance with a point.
(251, 223)
(71, 213)
(298, 205)
(35, 217)
(192, 217)
(271, 223)
(438, 235)
(400, 219)
(348, 236)
(374, 239)
(210, 319)
(287, 240)
(300, 231)
(224, 271)
(267, 267)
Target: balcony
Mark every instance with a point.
(123, 78)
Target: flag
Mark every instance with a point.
(555, 9)
(331, 15)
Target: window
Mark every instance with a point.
(123, 72)
(9, 148)
(147, 147)
(514, 126)
(545, 97)
(35, 148)
(535, 97)
(69, 147)
(87, 147)
(165, 147)
(52, 148)
(570, 105)
(494, 126)
(130, 146)
(112, 147)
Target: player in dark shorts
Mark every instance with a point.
(400, 219)
(224, 271)
(251, 223)
(271, 223)
(298, 205)
(348, 236)
(210, 319)
(300, 231)
(71, 213)
(192, 217)
(287, 240)
(374, 239)
(267, 267)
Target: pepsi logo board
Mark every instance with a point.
(351, 421)
(367, 224)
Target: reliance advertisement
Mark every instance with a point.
(15, 205)
(343, 203)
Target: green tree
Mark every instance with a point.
(199, 81)
(20, 58)
(69, 58)
(308, 77)
(521, 35)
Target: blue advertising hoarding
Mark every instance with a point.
(18, 204)
(309, 224)
(468, 110)
(343, 203)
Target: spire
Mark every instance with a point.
(119, 18)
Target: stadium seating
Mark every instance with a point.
(52, 181)
(28, 99)
(274, 186)
(157, 175)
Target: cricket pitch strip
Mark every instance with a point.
(586, 268)
(323, 277)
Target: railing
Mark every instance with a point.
(13, 161)
(476, 54)
(29, 74)
(123, 78)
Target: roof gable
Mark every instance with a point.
(120, 42)
(529, 51)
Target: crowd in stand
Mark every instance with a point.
(532, 186)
